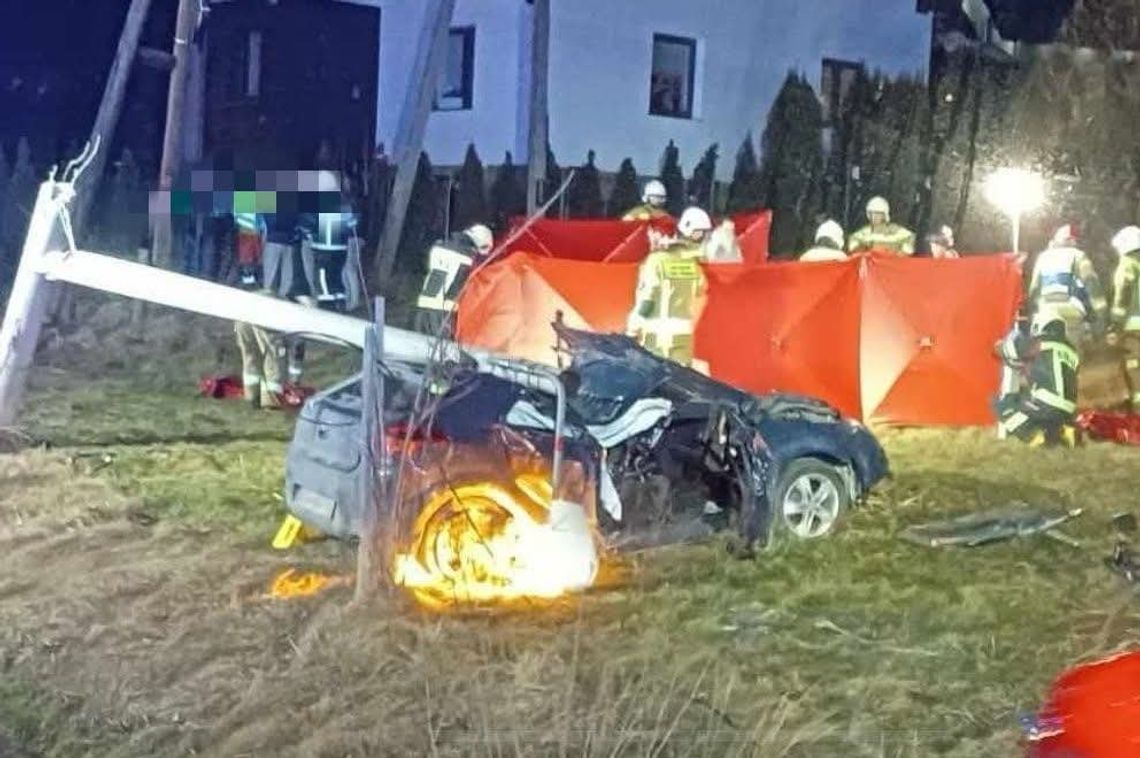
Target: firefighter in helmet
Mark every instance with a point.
(881, 233)
(450, 262)
(669, 285)
(828, 244)
(1041, 408)
(1065, 284)
(653, 198)
(1126, 309)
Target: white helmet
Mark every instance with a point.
(481, 236)
(694, 220)
(879, 205)
(654, 192)
(830, 230)
(1043, 320)
(1127, 240)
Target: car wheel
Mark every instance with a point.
(810, 498)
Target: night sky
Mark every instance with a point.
(54, 56)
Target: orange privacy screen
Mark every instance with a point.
(604, 240)
(902, 341)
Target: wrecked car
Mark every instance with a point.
(672, 454)
(758, 456)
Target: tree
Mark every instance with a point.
(471, 194)
(553, 182)
(673, 179)
(745, 193)
(704, 177)
(626, 193)
(124, 217)
(21, 195)
(508, 195)
(420, 225)
(585, 194)
(792, 163)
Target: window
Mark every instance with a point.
(252, 83)
(456, 81)
(838, 78)
(672, 77)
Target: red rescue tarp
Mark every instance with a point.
(611, 241)
(1121, 428)
(902, 341)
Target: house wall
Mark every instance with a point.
(501, 44)
(600, 62)
(599, 87)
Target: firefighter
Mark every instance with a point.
(828, 244)
(1041, 408)
(449, 264)
(653, 199)
(1126, 309)
(260, 361)
(330, 248)
(669, 284)
(942, 244)
(1064, 284)
(284, 273)
(723, 246)
(880, 233)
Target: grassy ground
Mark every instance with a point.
(133, 619)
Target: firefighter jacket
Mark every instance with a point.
(449, 265)
(1126, 293)
(889, 237)
(645, 212)
(1064, 278)
(1053, 369)
(250, 240)
(669, 284)
(819, 254)
(330, 256)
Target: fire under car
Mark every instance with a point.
(661, 453)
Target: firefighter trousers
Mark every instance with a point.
(1130, 366)
(1030, 421)
(260, 361)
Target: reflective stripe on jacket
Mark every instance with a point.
(1053, 376)
(890, 237)
(447, 273)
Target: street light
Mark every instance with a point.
(1016, 191)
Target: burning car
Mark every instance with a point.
(660, 453)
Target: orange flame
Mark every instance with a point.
(292, 583)
(492, 542)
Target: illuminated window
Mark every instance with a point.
(672, 77)
(252, 84)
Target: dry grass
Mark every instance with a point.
(132, 620)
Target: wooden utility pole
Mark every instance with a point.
(110, 107)
(172, 138)
(408, 144)
(539, 122)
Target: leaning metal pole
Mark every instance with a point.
(40, 265)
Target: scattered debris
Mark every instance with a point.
(1125, 562)
(991, 526)
(292, 583)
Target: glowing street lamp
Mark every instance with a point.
(1017, 192)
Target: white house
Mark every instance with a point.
(625, 77)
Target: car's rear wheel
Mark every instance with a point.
(811, 497)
